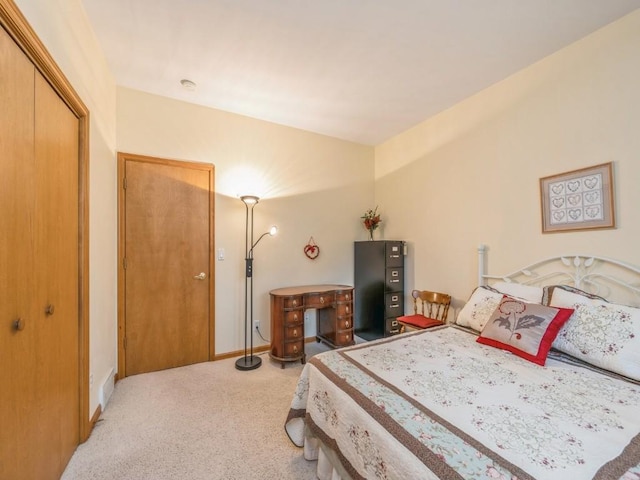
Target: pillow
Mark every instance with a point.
(560, 289)
(485, 299)
(527, 293)
(603, 334)
(479, 307)
(525, 329)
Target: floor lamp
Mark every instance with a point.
(250, 362)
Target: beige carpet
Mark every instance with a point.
(204, 421)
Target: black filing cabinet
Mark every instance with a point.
(378, 287)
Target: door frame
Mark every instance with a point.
(122, 159)
(25, 37)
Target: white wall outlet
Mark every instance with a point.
(256, 324)
(306, 316)
(91, 380)
(221, 254)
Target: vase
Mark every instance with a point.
(371, 234)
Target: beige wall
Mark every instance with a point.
(467, 176)
(311, 186)
(63, 28)
(470, 175)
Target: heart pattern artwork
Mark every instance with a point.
(575, 200)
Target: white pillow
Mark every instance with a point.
(484, 300)
(604, 334)
(528, 293)
(479, 307)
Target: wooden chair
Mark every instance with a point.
(434, 307)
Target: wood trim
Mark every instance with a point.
(25, 37)
(95, 417)
(122, 158)
(260, 349)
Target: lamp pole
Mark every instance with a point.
(249, 362)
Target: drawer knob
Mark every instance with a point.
(321, 299)
(295, 302)
(346, 296)
(295, 332)
(49, 310)
(347, 309)
(346, 324)
(295, 349)
(295, 316)
(18, 325)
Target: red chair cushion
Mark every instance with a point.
(420, 321)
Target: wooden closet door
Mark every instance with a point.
(18, 392)
(39, 278)
(56, 232)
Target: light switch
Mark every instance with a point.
(221, 254)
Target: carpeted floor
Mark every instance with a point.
(204, 421)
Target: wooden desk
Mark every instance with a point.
(334, 305)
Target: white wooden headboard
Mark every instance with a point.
(614, 280)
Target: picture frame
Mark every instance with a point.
(581, 199)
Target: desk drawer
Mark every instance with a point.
(293, 332)
(319, 300)
(345, 323)
(344, 338)
(293, 302)
(294, 317)
(344, 296)
(293, 348)
(343, 309)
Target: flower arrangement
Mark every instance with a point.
(371, 220)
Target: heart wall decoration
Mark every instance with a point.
(311, 250)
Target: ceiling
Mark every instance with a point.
(359, 70)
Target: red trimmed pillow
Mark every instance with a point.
(419, 321)
(524, 329)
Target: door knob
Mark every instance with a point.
(200, 276)
(18, 325)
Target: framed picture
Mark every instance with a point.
(578, 200)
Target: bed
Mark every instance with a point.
(538, 377)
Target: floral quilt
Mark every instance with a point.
(436, 404)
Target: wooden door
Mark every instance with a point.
(18, 390)
(56, 296)
(39, 273)
(167, 274)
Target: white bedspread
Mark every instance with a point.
(436, 404)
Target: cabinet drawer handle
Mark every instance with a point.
(394, 323)
(295, 332)
(18, 325)
(346, 324)
(394, 281)
(295, 349)
(295, 303)
(395, 305)
(49, 310)
(295, 316)
(347, 309)
(346, 296)
(394, 298)
(321, 299)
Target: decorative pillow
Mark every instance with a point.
(603, 334)
(479, 307)
(561, 289)
(527, 293)
(525, 329)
